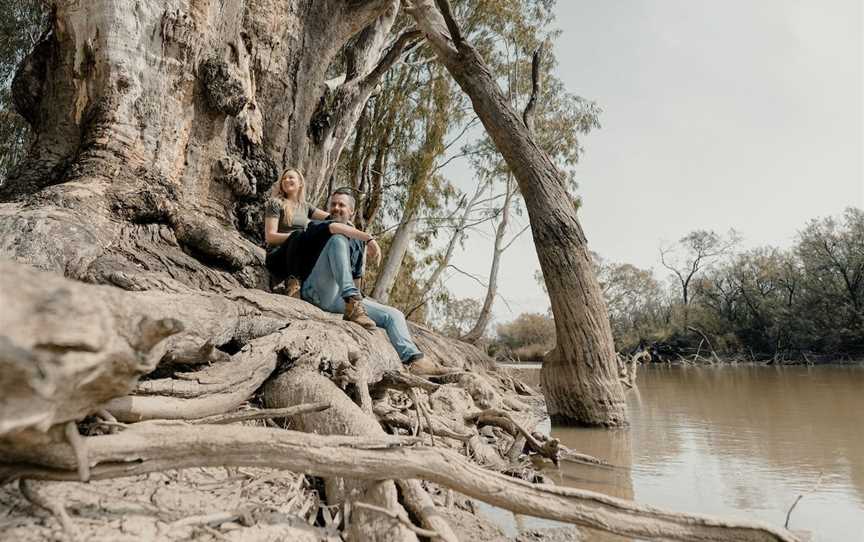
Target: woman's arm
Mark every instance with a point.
(271, 231)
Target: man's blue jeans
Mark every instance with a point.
(331, 281)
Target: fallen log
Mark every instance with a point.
(155, 446)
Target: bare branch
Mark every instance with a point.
(523, 230)
(403, 44)
(469, 275)
(467, 126)
(536, 82)
(452, 25)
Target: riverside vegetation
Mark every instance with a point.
(803, 304)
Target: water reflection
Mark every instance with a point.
(738, 441)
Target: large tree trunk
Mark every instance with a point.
(160, 128)
(579, 376)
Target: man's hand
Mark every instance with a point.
(374, 252)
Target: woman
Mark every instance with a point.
(286, 216)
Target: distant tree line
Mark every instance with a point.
(804, 303)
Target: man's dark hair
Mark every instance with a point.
(345, 191)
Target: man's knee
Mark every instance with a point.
(395, 316)
(337, 242)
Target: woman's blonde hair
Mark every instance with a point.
(289, 206)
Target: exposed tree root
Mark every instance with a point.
(58, 510)
(262, 414)
(222, 388)
(420, 504)
(398, 380)
(73, 347)
(79, 446)
(151, 446)
(397, 419)
(398, 515)
(301, 385)
(549, 448)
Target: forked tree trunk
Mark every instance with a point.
(579, 376)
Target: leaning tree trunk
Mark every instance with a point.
(579, 376)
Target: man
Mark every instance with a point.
(331, 287)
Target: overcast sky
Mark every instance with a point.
(742, 114)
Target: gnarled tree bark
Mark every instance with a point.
(159, 130)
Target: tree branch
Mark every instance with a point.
(452, 25)
(404, 43)
(153, 446)
(536, 82)
(523, 230)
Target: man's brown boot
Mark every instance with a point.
(355, 312)
(425, 367)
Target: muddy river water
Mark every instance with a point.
(741, 441)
